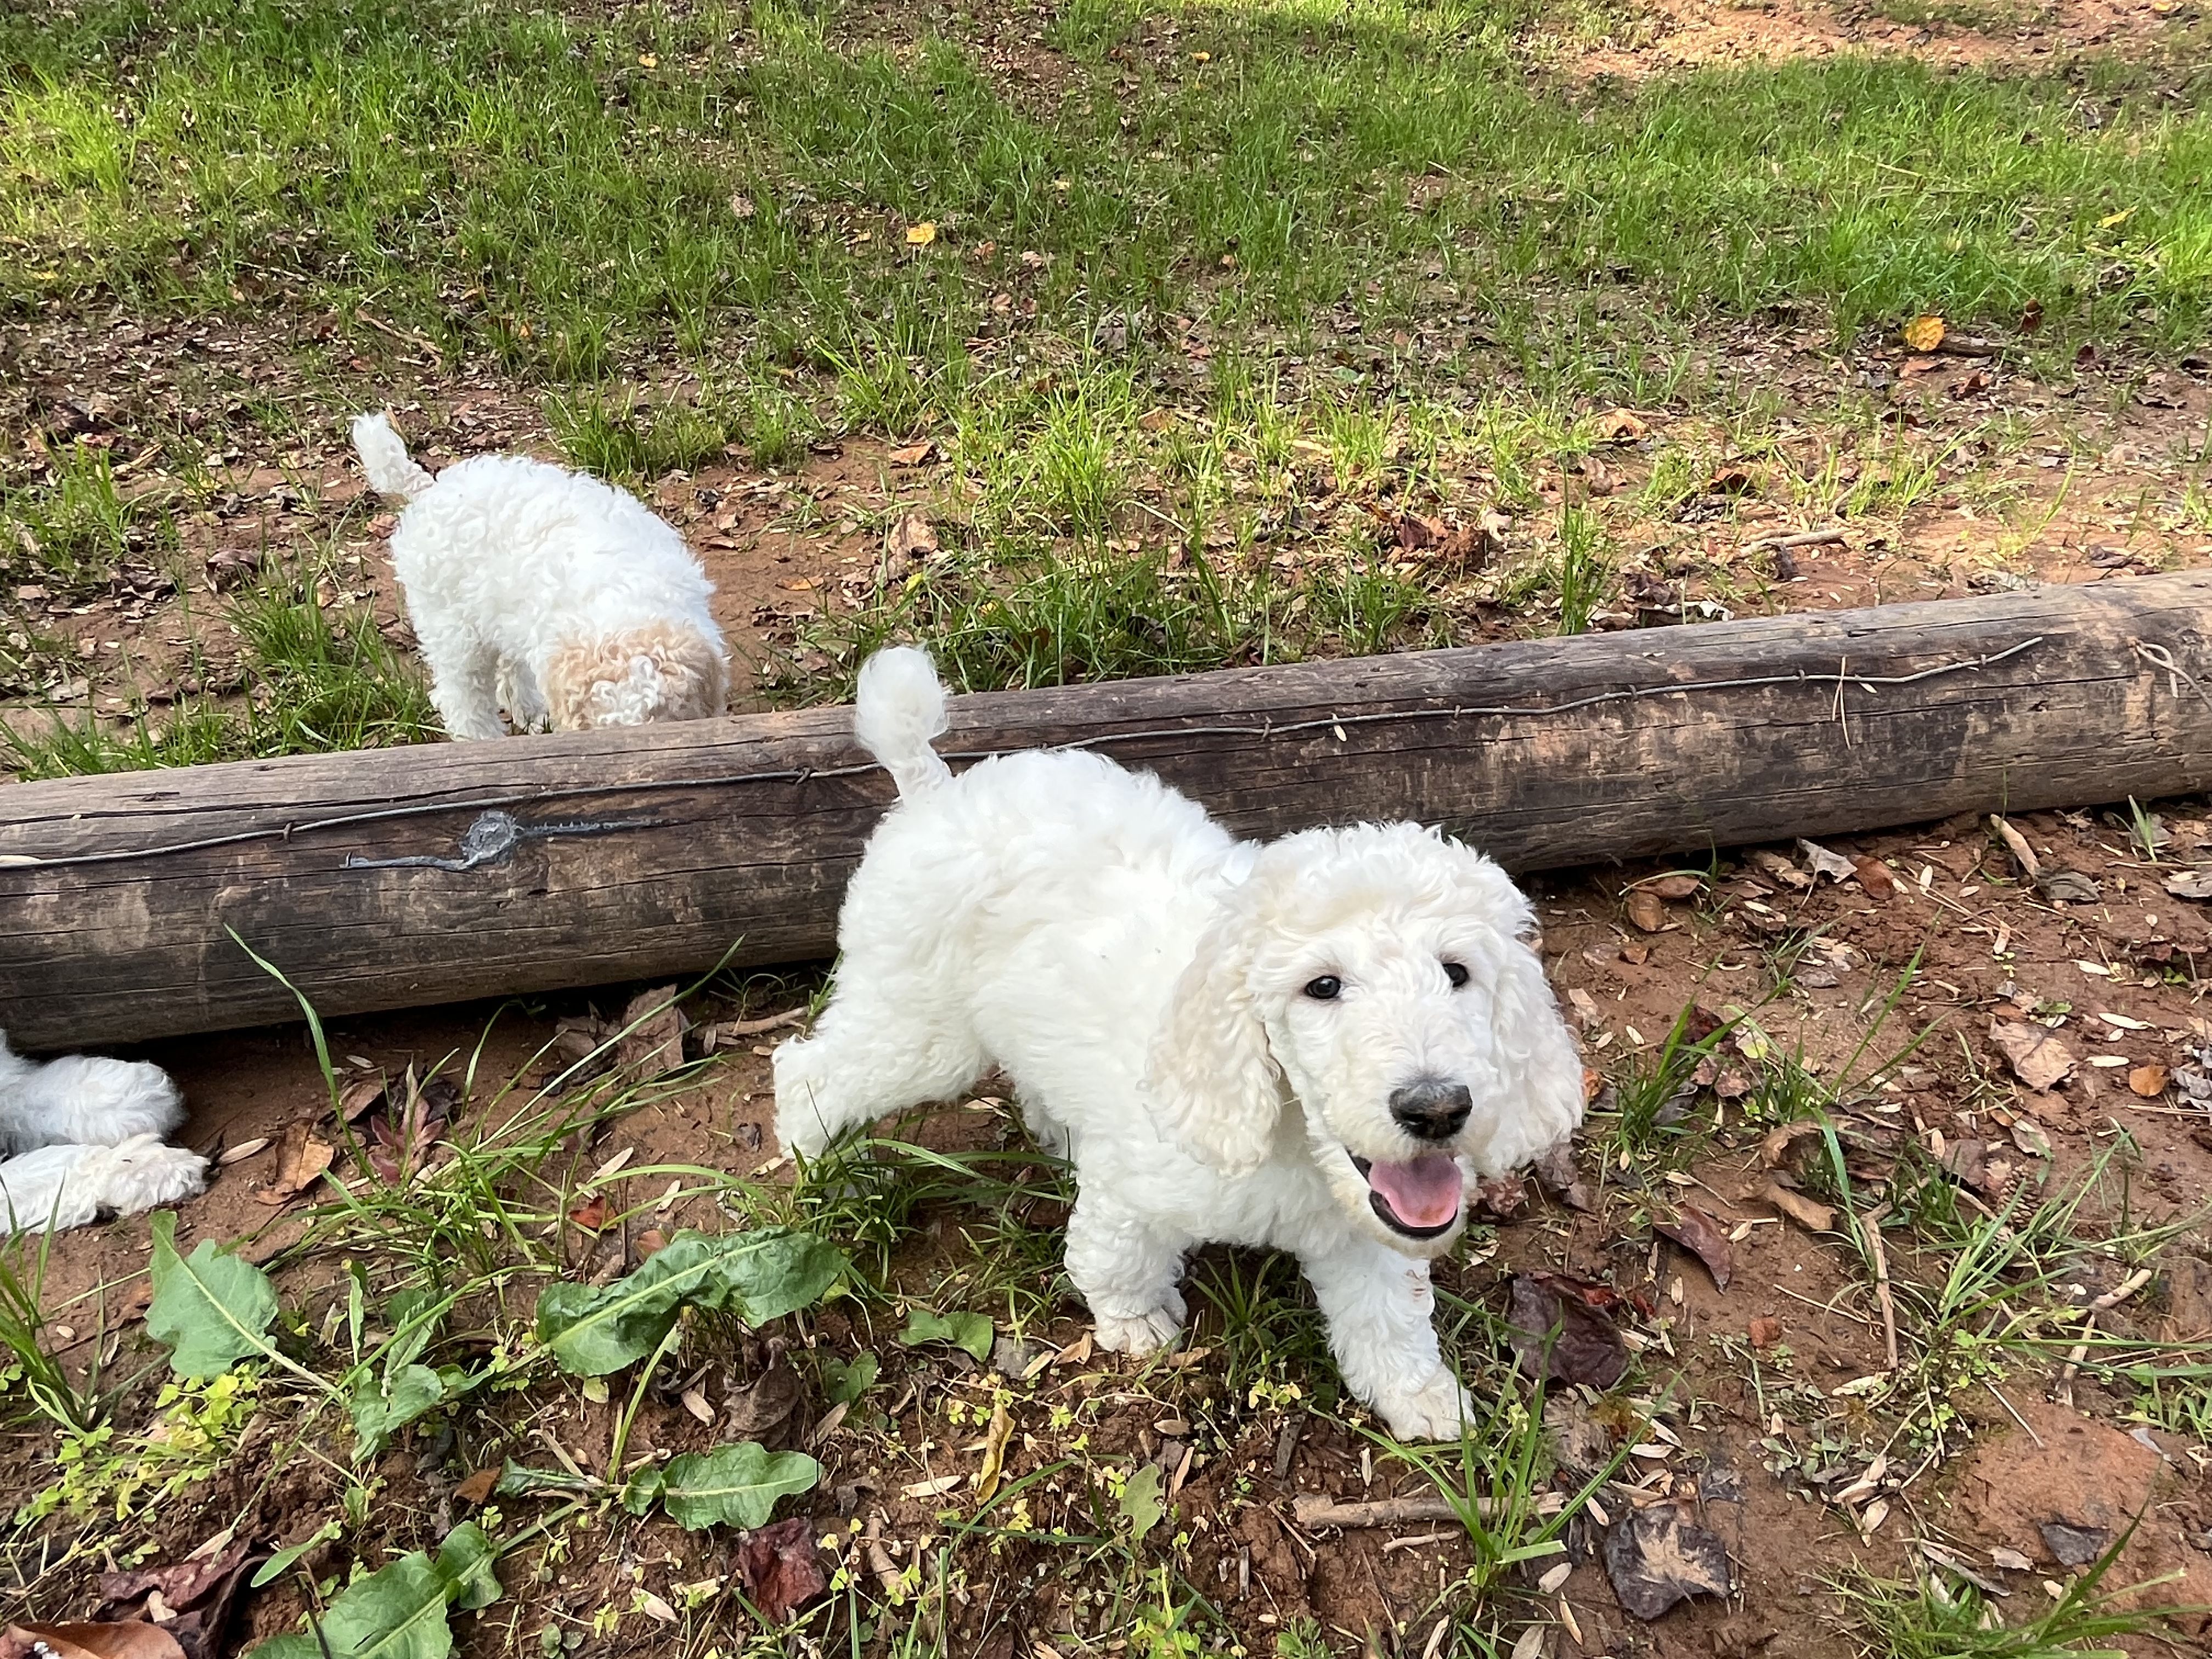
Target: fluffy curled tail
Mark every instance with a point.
(899, 709)
(384, 458)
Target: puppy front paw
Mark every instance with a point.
(1142, 1333)
(1433, 1411)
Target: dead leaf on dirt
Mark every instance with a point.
(2190, 884)
(921, 236)
(1556, 1173)
(1589, 1349)
(2030, 1139)
(1732, 1085)
(1656, 1558)
(190, 1600)
(1698, 1232)
(1503, 1196)
(1621, 426)
(1806, 1213)
(1874, 877)
(758, 1408)
(244, 1150)
(2068, 887)
(911, 539)
(1731, 481)
(1674, 888)
(592, 1214)
(655, 1027)
(2149, 1081)
(1645, 911)
(132, 1638)
(913, 454)
(648, 1242)
(780, 1568)
(300, 1165)
(741, 206)
(1834, 866)
(2074, 1546)
(1765, 1331)
(359, 1096)
(1782, 870)
(477, 1487)
(1922, 333)
(995, 1451)
(1774, 1147)
(1581, 1443)
(2038, 1055)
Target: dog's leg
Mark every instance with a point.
(868, 1057)
(1126, 1269)
(464, 684)
(1378, 1304)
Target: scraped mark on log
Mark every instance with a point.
(493, 839)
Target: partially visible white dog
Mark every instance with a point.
(552, 594)
(1310, 1045)
(82, 1136)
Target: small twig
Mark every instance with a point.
(2121, 1291)
(731, 1029)
(1870, 1230)
(2105, 1304)
(880, 1564)
(2021, 850)
(1312, 1508)
(1802, 538)
(2016, 1416)
(1417, 1541)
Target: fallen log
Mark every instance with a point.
(403, 877)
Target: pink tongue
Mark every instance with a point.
(1424, 1193)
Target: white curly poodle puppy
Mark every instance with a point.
(1311, 1045)
(557, 597)
(81, 1136)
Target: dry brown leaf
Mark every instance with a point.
(1621, 426)
(1675, 888)
(994, 1451)
(1774, 1149)
(1645, 911)
(912, 539)
(1765, 1331)
(1924, 333)
(1782, 870)
(592, 1214)
(655, 1027)
(477, 1488)
(913, 454)
(300, 1164)
(360, 1095)
(1700, 1233)
(131, 1638)
(2149, 1081)
(1813, 1217)
(2038, 1055)
(780, 1568)
(1657, 1557)
(1874, 877)
(2190, 884)
(1588, 1348)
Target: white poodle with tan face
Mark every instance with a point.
(1312, 1045)
(549, 595)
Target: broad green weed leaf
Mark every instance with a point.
(842, 1384)
(732, 1485)
(397, 1612)
(758, 1276)
(1140, 1501)
(465, 1562)
(403, 1396)
(210, 1310)
(281, 1563)
(644, 1488)
(968, 1331)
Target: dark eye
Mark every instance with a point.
(1325, 988)
(1456, 972)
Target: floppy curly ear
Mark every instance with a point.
(1210, 1077)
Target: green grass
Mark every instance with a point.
(560, 191)
(315, 678)
(75, 527)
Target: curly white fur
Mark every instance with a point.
(83, 1136)
(552, 595)
(1144, 980)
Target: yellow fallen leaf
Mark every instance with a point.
(921, 236)
(994, 1451)
(1925, 333)
(2119, 218)
(648, 60)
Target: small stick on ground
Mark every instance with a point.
(1312, 1510)
(880, 1565)
(2120, 1292)
(1870, 1230)
(2030, 865)
(1802, 538)
(730, 1030)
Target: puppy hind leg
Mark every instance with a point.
(868, 1057)
(463, 685)
(1126, 1269)
(1379, 1306)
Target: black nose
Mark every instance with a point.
(1431, 1108)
